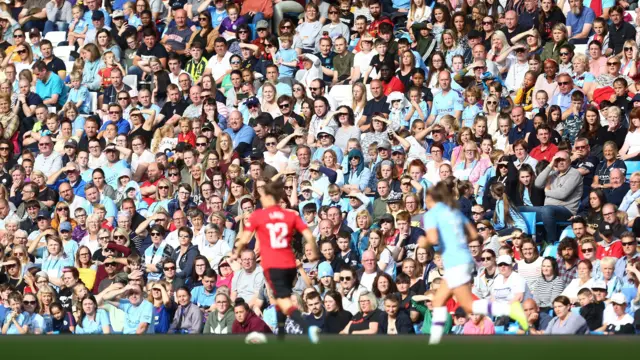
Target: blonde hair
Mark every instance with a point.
(75, 76)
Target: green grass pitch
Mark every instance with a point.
(187, 347)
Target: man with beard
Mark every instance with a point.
(148, 189)
(94, 197)
(74, 200)
(580, 23)
(375, 8)
(619, 31)
(568, 260)
(288, 119)
(90, 133)
(511, 27)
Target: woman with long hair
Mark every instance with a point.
(468, 161)
(550, 15)
(465, 136)
(383, 285)
(440, 19)
(228, 156)
(62, 214)
(491, 110)
(92, 320)
(56, 260)
(163, 195)
(384, 257)
(360, 236)
(163, 306)
(407, 67)
(91, 55)
(206, 35)
(268, 101)
(25, 54)
(629, 59)
(46, 296)
(359, 99)
(337, 318)
(450, 46)
(237, 190)
(105, 43)
(345, 118)
(506, 217)
(549, 284)
(87, 268)
(527, 195)
(437, 64)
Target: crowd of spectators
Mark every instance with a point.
(137, 137)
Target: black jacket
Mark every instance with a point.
(334, 322)
(403, 323)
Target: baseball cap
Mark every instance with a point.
(504, 259)
(619, 298)
(71, 143)
(133, 93)
(252, 101)
(473, 34)
(599, 284)
(394, 197)
(324, 270)
(384, 144)
(606, 230)
(43, 214)
(327, 130)
(97, 15)
(117, 14)
(397, 150)
(34, 32)
(314, 166)
(386, 218)
(262, 24)
(207, 127)
(65, 226)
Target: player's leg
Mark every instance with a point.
(464, 297)
(281, 318)
(439, 316)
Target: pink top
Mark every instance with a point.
(542, 84)
(484, 328)
(224, 282)
(598, 67)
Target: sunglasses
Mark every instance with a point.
(482, 228)
(564, 54)
(155, 234)
(203, 19)
(26, 302)
(62, 208)
(270, 144)
(563, 83)
(613, 63)
(285, 27)
(243, 32)
(587, 250)
(22, 51)
(492, 102)
(631, 243)
(288, 187)
(235, 62)
(487, 258)
(110, 264)
(4, 149)
(345, 278)
(333, 12)
(487, 23)
(201, 144)
(116, 237)
(628, 49)
(168, 268)
(284, 106)
(173, 174)
(314, 88)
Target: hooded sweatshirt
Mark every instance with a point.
(251, 323)
(361, 175)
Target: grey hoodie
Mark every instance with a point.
(566, 189)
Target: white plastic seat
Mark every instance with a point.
(131, 81)
(63, 52)
(56, 37)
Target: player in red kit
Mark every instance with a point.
(274, 228)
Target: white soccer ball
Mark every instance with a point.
(255, 338)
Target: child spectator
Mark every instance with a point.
(472, 97)
(524, 95)
(78, 27)
(197, 64)
(79, 94)
(286, 58)
(186, 134)
(229, 26)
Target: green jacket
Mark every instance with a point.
(426, 325)
(552, 51)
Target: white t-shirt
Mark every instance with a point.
(146, 157)
(367, 280)
(633, 140)
(504, 290)
(386, 257)
(363, 61)
(278, 161)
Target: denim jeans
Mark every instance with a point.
(134, 70)
(283, 7)
(549, 215)
(54, 26)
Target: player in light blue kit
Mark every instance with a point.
(449, 228)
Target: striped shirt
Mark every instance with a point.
(547, 291)
(196, 69)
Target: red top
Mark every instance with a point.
(393, 85)
(547, 154)
(189, 137)
(274, 229)
(614, 249)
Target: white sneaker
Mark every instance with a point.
(313, 333)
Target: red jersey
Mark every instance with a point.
(613, 250)
(274, 229)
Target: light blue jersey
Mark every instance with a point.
(94, 326)
(201, 298)
(469, 114)
(135, 315)
(452, 240)
(446, 105)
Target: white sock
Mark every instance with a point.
(500, 308)
(480, 307)
(438, 318)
